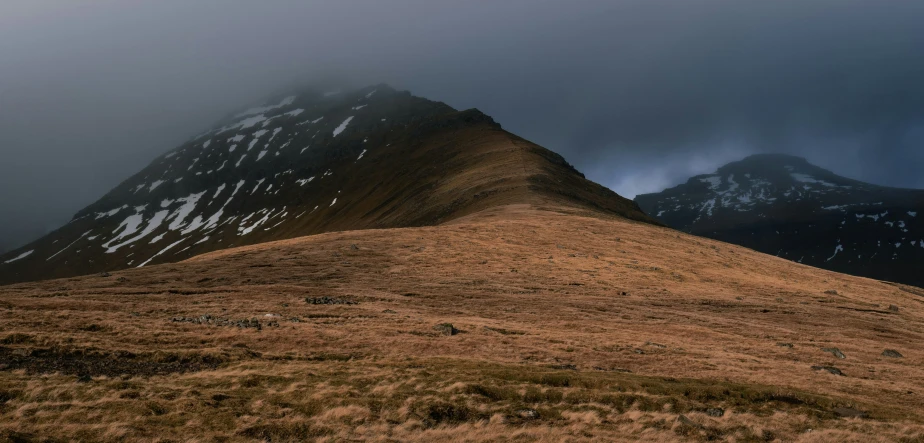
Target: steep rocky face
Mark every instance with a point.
(785, 206)
(309, 163)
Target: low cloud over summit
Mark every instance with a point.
(637, 94)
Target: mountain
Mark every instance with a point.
(373, 266)
(785, 206)
(308, 163)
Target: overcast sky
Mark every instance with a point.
(639, 95)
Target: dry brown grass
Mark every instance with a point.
(573, 328)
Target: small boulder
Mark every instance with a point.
(892, 353)
(785, 345)
(893, 308)
(835, 352)
(105, 274)
(831, 292)
(715, 412)
(446, 329)
(830, 369)
(528, 414)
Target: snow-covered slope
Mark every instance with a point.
(303, 164)
(785, 206)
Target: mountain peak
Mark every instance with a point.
(774, 157)
(773, 162)
(309, 163)
(786, 206)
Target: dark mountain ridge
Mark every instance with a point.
(783, 205)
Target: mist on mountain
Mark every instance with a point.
(638, 95)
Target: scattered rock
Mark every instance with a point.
(639, 351)
(830, 369)
(446, 329)
(328, 301)
(207, 319)
(121, 279)
(785, 345)
(528, 414)
(389, 311)
(105, 274)
(834, 351)
(831, 292)
(715, 412)
(354, 247)
(684, 420)
(892, 353)
(893, 308)
(656, 345)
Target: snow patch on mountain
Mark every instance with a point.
(155, 185)
(115, 211)
(714, 182)
(342, 126)
(262, 109)
(162, 251)
(20, 256)
(151, 226)
(71, 244)
(838, 248)
(189, 204)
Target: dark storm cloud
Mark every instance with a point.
(637, 94)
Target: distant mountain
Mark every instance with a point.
(785, 206)
(309, 163)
